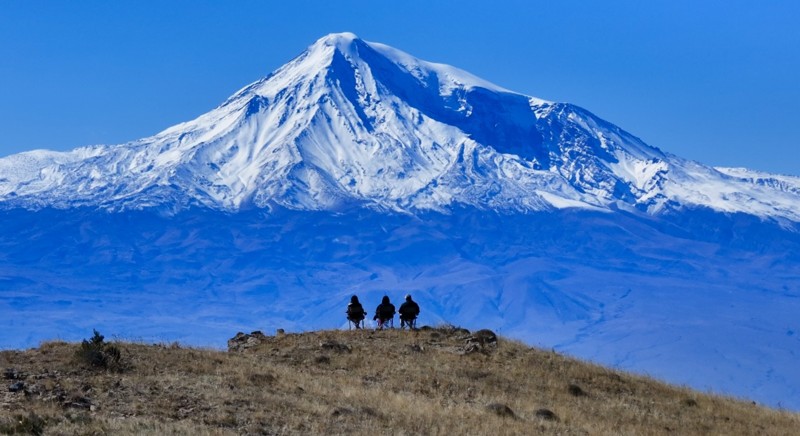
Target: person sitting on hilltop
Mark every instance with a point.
(409, 311)
(355, 312)
(384, 312)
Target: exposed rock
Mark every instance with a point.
(575, 390)
(13, 374)
(33, 389)
(460, 331)
(262, 379)
(78, 402)
(546, 414)
(243, 341)
(501, 410)
(335, 346)
(416, 348)
(453, 331)
(341, 411)
(470, 348)
(16, 387)
(482, 341)
(369, 411)
(485, 337)
(476, 374)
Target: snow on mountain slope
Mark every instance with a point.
(355, 123)
(778, 182)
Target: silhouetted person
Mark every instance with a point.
(409, 311)
(384, 312)
(355, 312)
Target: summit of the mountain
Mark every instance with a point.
(356, 123)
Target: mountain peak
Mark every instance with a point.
(343, 42)
(337, 39)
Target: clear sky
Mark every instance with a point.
(714, 81)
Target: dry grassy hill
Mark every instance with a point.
(432, 381)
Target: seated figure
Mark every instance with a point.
(355, 312)
(384, 313)
(409, 311)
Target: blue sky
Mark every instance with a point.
(714, 81)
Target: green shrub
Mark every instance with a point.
(97, 353)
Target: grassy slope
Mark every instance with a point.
(357, 382)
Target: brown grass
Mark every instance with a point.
(427, 382)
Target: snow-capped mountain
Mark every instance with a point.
(357, 168)
(350, 122)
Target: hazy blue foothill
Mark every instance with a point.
(672, 299)
(356, 168)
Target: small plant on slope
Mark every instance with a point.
(97, 353)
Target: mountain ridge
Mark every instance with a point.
(349, 122)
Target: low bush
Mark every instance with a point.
(97, 353)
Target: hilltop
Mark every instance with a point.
(432, 381)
